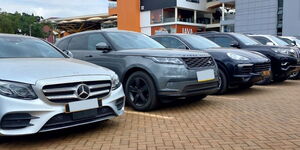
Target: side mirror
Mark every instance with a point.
(294, 43)
(102, 46)
(235, 44)
(69, 53)
(270, 43)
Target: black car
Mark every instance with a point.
(237, 68)
(147, 69)
(283, 64)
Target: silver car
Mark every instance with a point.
(42, 89)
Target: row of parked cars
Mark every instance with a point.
(43, 88)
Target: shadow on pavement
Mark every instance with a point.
(59, 134)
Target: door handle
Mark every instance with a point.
(89, 56)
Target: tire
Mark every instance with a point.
(295, 76)
(223, 82)
(196, 98)
(140, 92)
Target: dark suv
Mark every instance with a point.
(283, 64)
(146, 68)
(237, 68)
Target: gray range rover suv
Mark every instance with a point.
(147, 70)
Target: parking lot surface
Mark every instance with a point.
(263, 117)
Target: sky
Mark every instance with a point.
(55, 8)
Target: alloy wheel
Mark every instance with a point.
(138, 91)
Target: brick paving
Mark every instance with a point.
(263, 117)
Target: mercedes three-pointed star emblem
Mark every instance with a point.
(83, 92)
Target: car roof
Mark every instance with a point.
(97, 31)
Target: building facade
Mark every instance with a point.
(275, 17)
(160, 16)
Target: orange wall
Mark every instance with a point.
(129, 15)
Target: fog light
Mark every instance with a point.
(16, 121)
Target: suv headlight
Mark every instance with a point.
(285, 51)
(115, 81)
(236, 56)
(17, 90)
(166, 60)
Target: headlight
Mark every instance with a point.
(236, 57)
(166, 60)
(260, 54)
(115, 81)
(17, 90)
(285, 51)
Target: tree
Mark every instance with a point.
(15, 22)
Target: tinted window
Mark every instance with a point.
(224, 41)
(245, 39)
(279, 41)
(94, 39)
(170, 42)
(78, 43)
(199, 42)
(262, 40)
(131, 40)
(287, 40)
(18, 47)
(63, 45)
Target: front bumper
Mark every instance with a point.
(249, 78)
(48, 116)
(178, 81)
(250, 73)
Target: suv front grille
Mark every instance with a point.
(65, 93)
(262, 67)
(255, 68)
(197, 62)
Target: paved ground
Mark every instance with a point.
(264, 117)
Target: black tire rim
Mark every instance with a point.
(138, 91)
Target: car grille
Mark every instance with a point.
(197, 62)
(255, 68)
(64, 93)
(66, 119)
(262, 67)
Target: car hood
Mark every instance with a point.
(30, 70)
(216, 52)
(164, 52)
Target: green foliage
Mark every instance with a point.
(21, 23)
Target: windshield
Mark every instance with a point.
(19, 47)
(245, 39)
(130, 40)
(199, 42)
(279, 41)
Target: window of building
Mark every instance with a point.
(194, 1)
(156, 16)
(203, 18)
(186, 15)
(169, 15)
(279, 17)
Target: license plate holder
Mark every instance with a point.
(266, 73)
(83, 105)
(85, 114)
(206, 75)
